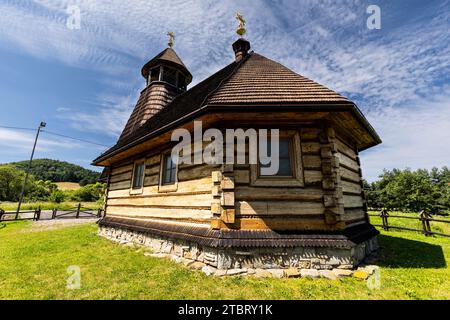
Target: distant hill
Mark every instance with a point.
(59, 171)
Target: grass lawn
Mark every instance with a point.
(33, 265)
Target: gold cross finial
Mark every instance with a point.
(171, 38)
(241, 29)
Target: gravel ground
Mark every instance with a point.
(44, 225)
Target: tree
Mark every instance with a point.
(11, 181)
(90, 192)
(40, 190)
(59, 171)
(57, 196)
(411, 190)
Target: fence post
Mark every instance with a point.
(99, 213)
(39, 213)
(384, 218)
(78, 210)
(425, 218)
(2, 212)
(54, 214)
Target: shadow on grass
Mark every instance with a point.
(405, 253)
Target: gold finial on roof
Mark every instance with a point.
(171, 38)
(241, 29)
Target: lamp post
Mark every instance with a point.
(41, 125)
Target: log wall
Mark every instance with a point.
(330, 196)
(277, 207)
(350, 180)
(188, 200)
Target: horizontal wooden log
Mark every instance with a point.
(202, 185)
(309, 133)
(152, 161)
(284, 224)
(171, 213)
(351, 187)
(151, 180)
(348, 162)
(199, 171)
(121, 169)
(152, 170)
(194, 200)
(353, 201)
(313, 176)
(279, 208)
(310, 147)
(312, 162)
(242, 176)
(121, 177)
(120, 185)
(257, 193)
(349, 175)
(345, 149)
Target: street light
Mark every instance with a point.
(41, 125)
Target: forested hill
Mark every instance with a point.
(59, 171)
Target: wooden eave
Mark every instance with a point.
(215, 110)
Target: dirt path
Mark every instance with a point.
(45, 225)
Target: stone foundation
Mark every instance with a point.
(285, 258)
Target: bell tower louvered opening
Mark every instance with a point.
(166, 77)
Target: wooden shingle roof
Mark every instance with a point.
(252, 82)
(261, 80)
(170, 57)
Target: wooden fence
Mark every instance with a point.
(424, 218)
(75, 213)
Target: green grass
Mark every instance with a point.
(33, 265)
(47, 205)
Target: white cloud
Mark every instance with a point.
(113, 112)
(415, 136)
(18, 142)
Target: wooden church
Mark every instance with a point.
(310, 214)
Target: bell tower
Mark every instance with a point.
(166, 77)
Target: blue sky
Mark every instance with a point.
(84, 83)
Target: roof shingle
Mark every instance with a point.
(262, 80)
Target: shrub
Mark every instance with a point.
(57, 196)
(90, 192)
